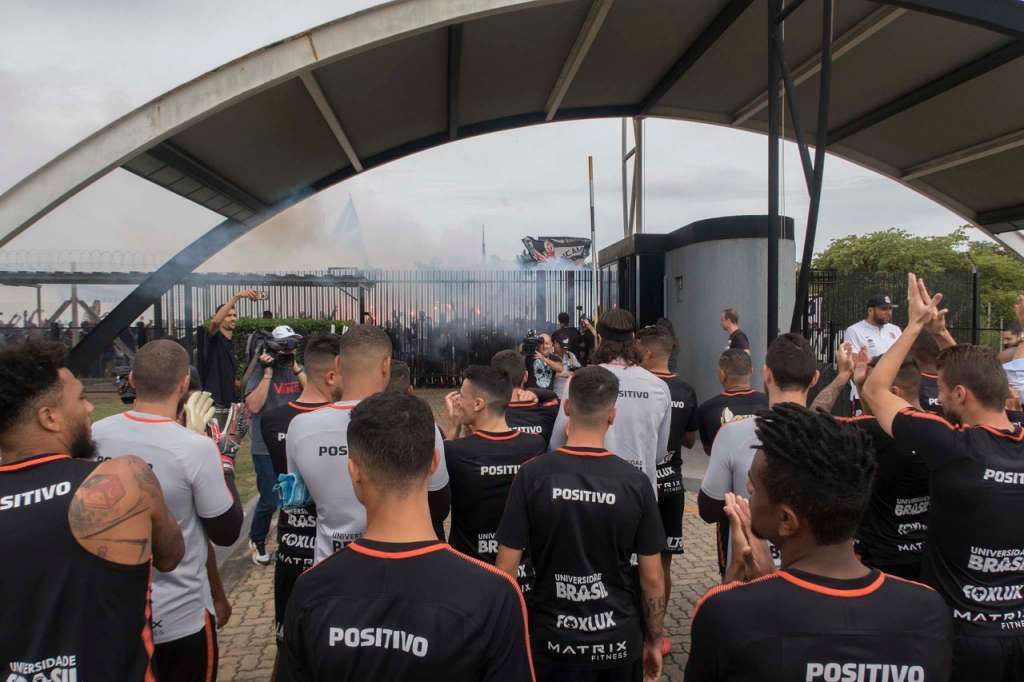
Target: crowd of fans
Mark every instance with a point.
(528, 532)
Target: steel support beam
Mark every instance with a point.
(942, 84)
(316, 93)
(454, 71)
(793, 6)
(858, 33)
(169, 155)
(588, 32)
(824, 95)
(719, 25)
(798, 128)
(964, 156)
(774, 137)
(1006, 214)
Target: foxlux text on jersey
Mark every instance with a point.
(577, 495)
(381, 638)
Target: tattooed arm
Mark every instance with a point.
(652, 588)
(845, 358)
(119, 514)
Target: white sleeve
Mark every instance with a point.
(853, 336)
(210, 492)
(440, 477)
(664, 431)
(718, 477)
(558, 430)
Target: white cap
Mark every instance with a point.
(284, 332)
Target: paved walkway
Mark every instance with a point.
(247, 642)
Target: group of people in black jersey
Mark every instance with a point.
(877, 548)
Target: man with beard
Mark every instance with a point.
(875, 334)
(973, 555)
(201, 494)
(296, 526)
(825, 616)
(78, 536)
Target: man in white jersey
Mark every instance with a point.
(790, 371)
(875, 333)
(644, 408)
(317, 445)
(200, 492)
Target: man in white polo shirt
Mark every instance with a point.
(317, 445)
(876, 333)
(200, 493)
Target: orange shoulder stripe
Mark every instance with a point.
(519, 593)
(25, 464)
(919, 414)
(719, 589)
(830, 591)
(356, 547)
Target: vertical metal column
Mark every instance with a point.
(774, 102)
(190, 342)
(158, 318)
(975, 304)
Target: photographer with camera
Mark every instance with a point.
(280, 381)
(542, 364)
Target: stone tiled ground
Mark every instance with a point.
(247, 642)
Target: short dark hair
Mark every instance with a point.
(1014, 327)
(401, 377)
(158, 369)
(363, 343)
(592, 393)
(792, 362)
(735, 362)
(819, 466)
(620, 322)
(908, 377)
(731, 315)
(320, 352)
(493, 383)
(391, 436)
(512, 363)
(657, 339)
(29, 375)
(563, 318)
(925, 349)
(978, 369)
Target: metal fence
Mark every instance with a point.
(837, 300)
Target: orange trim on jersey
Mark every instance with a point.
(831, 591)
(524, 403)
(25, 464)
(719, 589)
(551, 403)
(147, 631)
(926, 375)
(209, 648)
(665, 375)
(911, 412)
(145, 420)
(488, 436)
(395, 555)
(912, 582)
(519, 593)
(581, 453)
(339, 407)
(1019, 436)
(304, 408)
(746, 391)
(858, 418)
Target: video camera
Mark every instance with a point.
(282, 350)
(124, 390)
(531, 344)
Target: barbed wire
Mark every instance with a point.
(84, 260)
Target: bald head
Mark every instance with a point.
(159, 370)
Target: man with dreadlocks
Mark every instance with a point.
(824, 616)
(643, 410)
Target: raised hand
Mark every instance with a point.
(845, 358)
(922, 307)
(860, 367)
(751, 557)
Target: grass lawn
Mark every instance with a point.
(245, 478)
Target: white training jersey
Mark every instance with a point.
(877, 340)
(188, 467)
(643, 419)
(317, 449)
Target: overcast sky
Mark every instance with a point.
(68, 68)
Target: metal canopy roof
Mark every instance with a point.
(926, 92)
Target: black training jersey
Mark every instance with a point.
(791, 626)
(535, 417)
(724, 408)
(481, 467)
(974, 555)
(738, 340)
(684, 420)
(65, 613)
(894, 528)
(413, 611)
(581, 514)
(296, 528)
(928, 393)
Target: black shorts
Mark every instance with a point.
(555, 672)
(284, 582)
(671, 507)
(992, 659)
(189, 659)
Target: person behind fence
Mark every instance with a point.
(530, 411)
(737, 399)
(825, 616)
(79, 537)
(644, 409)
(396, 604)
(317, 445)
(200, 491)
(973, 555)
(581, 514)
(567, 335)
